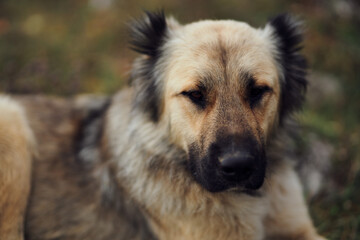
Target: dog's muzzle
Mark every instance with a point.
(232, 162)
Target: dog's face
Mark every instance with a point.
(219, 86)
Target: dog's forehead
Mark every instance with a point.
(204, 30)
(222, 50)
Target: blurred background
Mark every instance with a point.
(74, 46)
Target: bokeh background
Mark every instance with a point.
(73, 46)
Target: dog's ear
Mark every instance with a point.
(148, 35)
(288, 36)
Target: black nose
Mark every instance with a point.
(238, 167)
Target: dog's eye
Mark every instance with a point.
(256, 94)
(196, 97)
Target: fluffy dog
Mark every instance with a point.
(190, 150)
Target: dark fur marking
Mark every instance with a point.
(294, 65)
(147, 37)
(90, 132)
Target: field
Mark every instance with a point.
(74, 46)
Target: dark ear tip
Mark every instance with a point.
(288, 33)
(289, 29)
(147, 36)
(288, 21)
(148, 33)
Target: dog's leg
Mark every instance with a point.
(15, 169)
(288, 216)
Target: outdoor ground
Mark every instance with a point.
(73, 46)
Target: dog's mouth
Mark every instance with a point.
(241, 190)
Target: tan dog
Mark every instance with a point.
(191, 150)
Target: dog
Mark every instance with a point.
(191, 149)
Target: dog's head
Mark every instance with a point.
(221, 88)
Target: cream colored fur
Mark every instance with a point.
(16, 151)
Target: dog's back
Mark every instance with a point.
(67, 200)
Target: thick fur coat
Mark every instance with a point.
(192, 149)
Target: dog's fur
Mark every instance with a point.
(148, 162)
